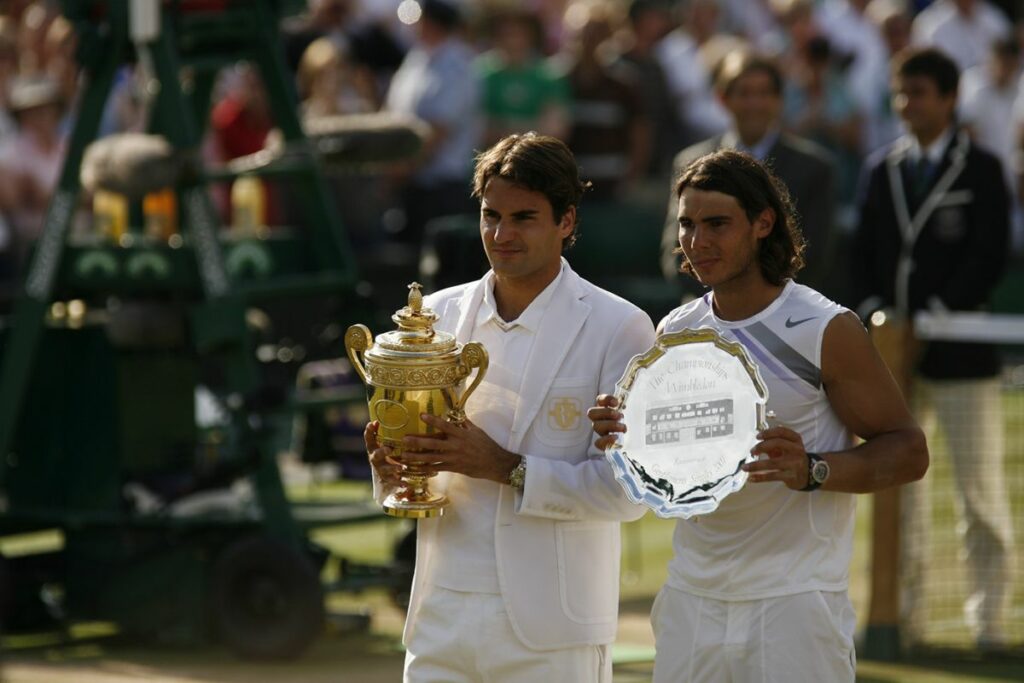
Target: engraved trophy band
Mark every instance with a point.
(693, 405)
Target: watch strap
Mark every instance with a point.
(812, 483)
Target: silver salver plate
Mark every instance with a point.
(693, 405)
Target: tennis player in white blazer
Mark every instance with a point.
(519, 580)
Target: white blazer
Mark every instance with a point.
(557, 542)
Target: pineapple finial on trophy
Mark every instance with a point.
(414, 321)
(415, 297)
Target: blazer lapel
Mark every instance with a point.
(893, 164)
(910, 227)
(953, 163)
(468, 305)
(559, 327)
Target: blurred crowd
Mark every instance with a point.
(626, 83)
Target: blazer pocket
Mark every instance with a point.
(562, 420)
(956, 198)
(949, 223)
(588, 564)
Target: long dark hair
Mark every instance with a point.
(755, 188)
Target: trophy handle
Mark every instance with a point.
(357, 340)
(474, 355)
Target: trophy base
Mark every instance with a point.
(418, 508)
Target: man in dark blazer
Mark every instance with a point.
(750, 87)
(933, 234)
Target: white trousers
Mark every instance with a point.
(802, 638)
(970, 415)
(467, 638)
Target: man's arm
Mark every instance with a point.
(604, 415)
(564, 490)
(867, 400)
(554, 488)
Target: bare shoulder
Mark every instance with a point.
(845, 346)
(860, 387)
(846, 326)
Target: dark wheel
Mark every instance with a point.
(403, 568)
(265, 598)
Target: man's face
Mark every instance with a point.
(521, 237)
(754, 104)
(718, 239)
(515, 39)
(896, 32)
(702, 18)
(653, 24)
(922, 107)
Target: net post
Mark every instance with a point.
(894, 339)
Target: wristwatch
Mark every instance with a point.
(517, 477)
(817, 472)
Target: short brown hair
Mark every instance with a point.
(741, 62)
(755, 188)
(539, 163)
(931, 63)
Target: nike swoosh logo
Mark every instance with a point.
(793, 323)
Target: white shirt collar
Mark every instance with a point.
(528, 319)
(759, 150)
(935, 150)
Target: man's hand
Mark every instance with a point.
(607, 421)
(388, 470)
(786, 462)
(462, 448)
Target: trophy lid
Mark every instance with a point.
(415, 334)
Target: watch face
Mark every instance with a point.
(517, 476)
(820, 471)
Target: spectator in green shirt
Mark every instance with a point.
(521, 92)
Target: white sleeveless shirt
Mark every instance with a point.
(766, 540)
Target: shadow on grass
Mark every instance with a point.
(636, 605)
(362, 656)
(995, 668)
(962, 666)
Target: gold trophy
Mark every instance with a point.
(409, 371)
